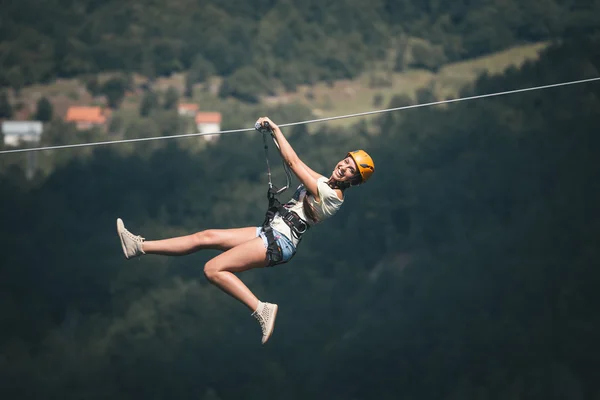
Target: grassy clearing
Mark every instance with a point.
(341, 98)
(453, 77)
(354, 96)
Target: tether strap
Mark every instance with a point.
(266, 130)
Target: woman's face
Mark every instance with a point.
(344, 170)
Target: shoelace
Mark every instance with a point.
(263, 318)
(265, 315)
(263, 326)
(133, 237)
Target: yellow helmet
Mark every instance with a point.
(364, 162)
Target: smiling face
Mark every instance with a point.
(345, 170)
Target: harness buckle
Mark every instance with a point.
(295, 222)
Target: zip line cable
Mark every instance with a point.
(68, 146)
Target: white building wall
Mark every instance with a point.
(17, 132)
(209, 128)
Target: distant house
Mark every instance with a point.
(87, 117)
(187, 109)
(17, 133)
(208, 122)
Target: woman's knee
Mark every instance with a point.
(209, 237)
(211, 270)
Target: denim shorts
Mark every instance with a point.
(287, 247)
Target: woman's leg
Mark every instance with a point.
(248, 255)
(219, 270)
(243, 250)
(216, 239)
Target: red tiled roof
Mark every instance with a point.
(86, 114)
(208, 118)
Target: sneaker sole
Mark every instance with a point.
(120, 227)
(271, 324)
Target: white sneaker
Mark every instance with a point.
(131, 244)
(266, 314)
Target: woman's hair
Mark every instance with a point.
(355, 180)
(309, 210)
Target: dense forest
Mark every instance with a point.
(465, 269)
(291, 41)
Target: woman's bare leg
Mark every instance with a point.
(216, 239)
(219, 270)
(243, 250)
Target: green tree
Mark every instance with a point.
(401, 51)
(168, 122)
(45, 110)
(171, 98)
(5, 106)
(427, 56)
(117, 124)
(200, 71)
(165, 57)
(147, 67)
(290, 77)
(114, 90)
(149, 102)
(58, 132)
(16, 79)
(189, 86)
(246, 84)
(425, 95)
(400, 100)
(92, 85)
(141, 129)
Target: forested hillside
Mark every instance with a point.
(294, 41)
(467, 268)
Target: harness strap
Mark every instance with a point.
(274, 251)
(292, 219)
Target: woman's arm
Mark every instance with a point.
(307, 176)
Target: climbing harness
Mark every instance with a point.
(297, 225)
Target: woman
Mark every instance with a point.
(316, 199)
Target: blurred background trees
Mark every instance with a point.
(465, 268)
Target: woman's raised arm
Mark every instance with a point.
(307, 176)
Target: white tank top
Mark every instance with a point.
(328, 205)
